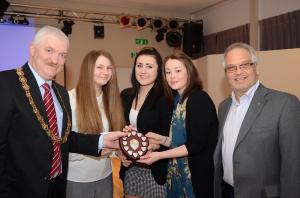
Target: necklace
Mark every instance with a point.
(39, 117)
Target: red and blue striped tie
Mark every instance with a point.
(50, 110)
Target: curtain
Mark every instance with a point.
(217, 43)
(227, 37)
(280, 32)
(210, 44)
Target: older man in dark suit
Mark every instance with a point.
(35, 123)
(258, 151)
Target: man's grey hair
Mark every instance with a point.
(244, 46)
(49, 30)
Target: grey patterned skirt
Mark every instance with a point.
(140, 182)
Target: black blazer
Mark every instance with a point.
(26, 151)
(202, 131)
(154, 115)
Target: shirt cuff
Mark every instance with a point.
(100, 144)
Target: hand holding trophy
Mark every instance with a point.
(134, 145)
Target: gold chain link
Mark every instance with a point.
(39, 117)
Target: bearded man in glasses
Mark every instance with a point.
(258, 151)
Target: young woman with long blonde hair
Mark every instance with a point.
(96, 108)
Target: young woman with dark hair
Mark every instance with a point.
(193, 131)
(146, 109)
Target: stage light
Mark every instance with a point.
(19, 20)
(125, 21)
(2, 20)
(67, 29)
(157, 24)
(25, 22)
(22, 20)
(13, 19)
(3, 6)
(174, 39)
(173, 24)
(141, 23)
(98, 31)
(160, 34)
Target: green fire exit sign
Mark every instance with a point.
(141, 41)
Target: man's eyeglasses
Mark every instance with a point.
(243, 67)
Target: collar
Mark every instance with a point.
(40, 81)
(247, 96)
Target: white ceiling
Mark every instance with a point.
(185, 8)
(181, 6)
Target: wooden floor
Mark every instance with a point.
(118, 184)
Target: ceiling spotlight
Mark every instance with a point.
(174, 39)
(160, 34)
(98, 31)
(125, 21)
(157, 24)
(173, 24)
(2, 20)
(3, 6)
(141, 23)
(13, 19)
(67, 29)
(22, 20)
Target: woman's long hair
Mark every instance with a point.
(157, 89)
(88, 115)
(193, 81)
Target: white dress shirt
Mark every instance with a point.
(232, 125)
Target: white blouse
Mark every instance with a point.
(133, 117)
(83, 168)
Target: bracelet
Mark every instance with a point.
(165, 140)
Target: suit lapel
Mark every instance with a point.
(223, 113)
(254, 109)
(35, 91)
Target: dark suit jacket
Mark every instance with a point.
(202, 131)
(26, 151)
(266, 158)
(154, 116)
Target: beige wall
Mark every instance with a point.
(124, 75)
(120, 42)
(226, 15)
(202, 68)
(270, 8)
(279, 69)
(233, 13)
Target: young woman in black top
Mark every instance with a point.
(146, 109)
(193, 131)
